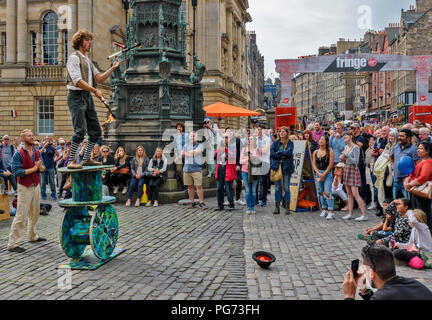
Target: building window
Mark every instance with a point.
(33, 47)
(4, 47)
(45, 116)
(49, 38)
(65, 46)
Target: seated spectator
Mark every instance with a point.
(157, 167)
(96, 152)
(420, 238)
(107, 159)
(381, 271)
(138, 169)
(402, 229)
(337, 185)
(65, 179)
(385, 228)
(120, 174)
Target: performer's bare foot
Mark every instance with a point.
(91, 163)
(74, 165)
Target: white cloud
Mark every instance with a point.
(292, 28)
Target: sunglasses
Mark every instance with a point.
(105, 151)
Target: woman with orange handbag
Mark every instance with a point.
(422, 174)
(120, 173)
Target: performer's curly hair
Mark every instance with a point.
(79, 37)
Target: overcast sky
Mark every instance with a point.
(287, 29)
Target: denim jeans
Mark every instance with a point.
(286, 178)
(134, 183)
(399, 188)
(221, 184)
(250, 191)
(48, 177)
(327, 203)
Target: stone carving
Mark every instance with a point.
(180, 102)
(169, 38)
(143, 101)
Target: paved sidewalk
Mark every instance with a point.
(175, 253)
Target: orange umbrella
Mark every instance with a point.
(222, 110)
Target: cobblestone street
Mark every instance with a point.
(175, 253)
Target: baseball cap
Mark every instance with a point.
(355, 125)
(340, 165)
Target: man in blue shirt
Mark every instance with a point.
(48, 153)
(192, 169)
(404, 148)
(337, 143)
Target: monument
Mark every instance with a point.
(155, 90)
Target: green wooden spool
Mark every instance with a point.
(79, 227)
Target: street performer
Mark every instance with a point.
(26, 165)
(82, 78)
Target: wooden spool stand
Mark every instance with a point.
(89, 219)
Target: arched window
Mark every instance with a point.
(49, 38)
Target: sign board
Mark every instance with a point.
(302, 176)
(421, 113)
(352, 76)
(285, 116)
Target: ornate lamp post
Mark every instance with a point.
(194, 5)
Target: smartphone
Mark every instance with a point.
(354, 267)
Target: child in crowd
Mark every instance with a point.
(420, 238)
(337, 186)
(384, 228)
(402, 229)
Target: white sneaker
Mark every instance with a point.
(372, 206)
(330, 216)
(362, 218)
(248, 212)
(347, 217)
(324, 213)
(116, 190)
(124, 190)
(240, 202)
(226, 203)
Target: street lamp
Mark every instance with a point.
(194, 5)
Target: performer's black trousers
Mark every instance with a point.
(84, 116)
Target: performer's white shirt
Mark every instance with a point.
(73, 67)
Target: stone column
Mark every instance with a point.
(85, 14)
(60, 47)
(230, 37)
(240, 51)
(22, 34)
(73, 5)
(11, 31)
(38, 49)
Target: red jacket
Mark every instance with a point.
(27, 163)
(422, 172)
(230, 171)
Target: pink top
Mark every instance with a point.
(244, 159)
(317, 136)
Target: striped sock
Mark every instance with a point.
(88, 150)
(73, 151)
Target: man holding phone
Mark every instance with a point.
(380, 270)
(48, 153)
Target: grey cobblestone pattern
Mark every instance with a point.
(175, 253)
(172, 253)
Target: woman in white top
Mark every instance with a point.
(420, 238)
(157, 167)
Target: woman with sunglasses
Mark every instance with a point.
(352, 178)
(107, 159)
